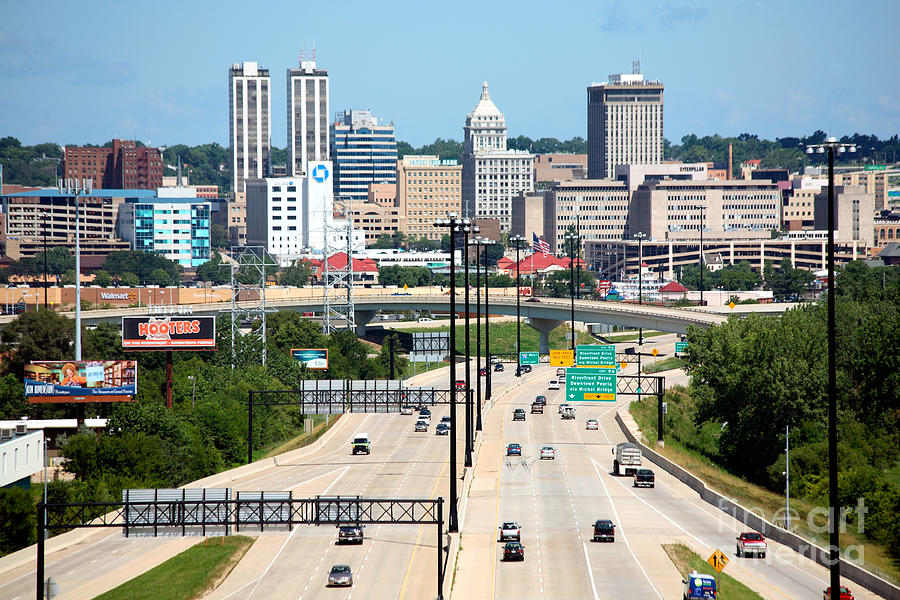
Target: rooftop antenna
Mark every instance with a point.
(636, 67)
(178, 180)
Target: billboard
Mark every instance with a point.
(80, 381)
(313, 358)
(170, 332)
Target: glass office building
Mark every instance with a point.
(176, 228)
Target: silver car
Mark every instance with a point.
(340, 575)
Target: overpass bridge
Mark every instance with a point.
(543, 315)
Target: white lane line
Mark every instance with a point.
(590, 570)
(336, 479)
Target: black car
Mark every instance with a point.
(498, 367)
(604, 531)
(513, 551)
(350, 534)
(541, 399)
(644, 477)
(519, 414)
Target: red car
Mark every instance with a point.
(460, 384)
(845, 594)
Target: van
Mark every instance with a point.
(561, 372)
(699, 585)
(361, 443)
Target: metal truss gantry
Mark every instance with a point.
(337, 282)
(248, 285)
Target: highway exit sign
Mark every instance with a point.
(529, 358)
(591, 384)
(680, 347)
(597, 355)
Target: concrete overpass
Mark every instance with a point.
(544, 315)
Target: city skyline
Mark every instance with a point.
(781, 78)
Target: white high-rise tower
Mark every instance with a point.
(307, 118)
(250, 135)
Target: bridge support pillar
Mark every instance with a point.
(544, 327)
(362, 317)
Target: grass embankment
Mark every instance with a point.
(305, 439)
(503, 337)
(673, 362)
(634, 336)
(691, 449)
(686, 561)
(186, 576)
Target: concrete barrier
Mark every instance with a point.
(850, 570)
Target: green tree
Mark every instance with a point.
(218, 236)
(296, 275)
(18, 524)
(129, 279)
(401, 363)
(142, 264)
(213, 271)
(786, 282)
(36, 335)
(160, 277)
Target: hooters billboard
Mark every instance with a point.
(171, 332)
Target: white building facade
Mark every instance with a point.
(250, 135)
(492, 174)
(307, 117)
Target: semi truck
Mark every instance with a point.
(627, 455)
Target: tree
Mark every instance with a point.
(160, 277)
(142, 264)
(787, 283)
(296, 275)
(36, 335)
(213, 271)
(218, 236)
(18, 524)
(130, 279)
(102, 278)
(401, 363)
(384, 242)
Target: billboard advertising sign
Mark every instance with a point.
(49, 381)
(313, 358)
(169, 332)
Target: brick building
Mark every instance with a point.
(124, 165)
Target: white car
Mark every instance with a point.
(425, 320)
(445, 421)
(406, 410)
(563, 407)
(548, 452)
(510, 531)
(592, 424)
(553, 385)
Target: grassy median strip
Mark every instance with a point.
(187, 575)
(503, 336)
(686, 561)
(673, 362)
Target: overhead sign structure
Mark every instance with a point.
(313, 358)
(718, 560)
(597, 355)
(680, 347)
(49, 381)
(170, 332)
(591, 384)
(562, 358)
(529, 358)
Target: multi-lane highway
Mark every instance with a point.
(555, 502)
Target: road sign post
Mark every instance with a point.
(597, 355)
(591, 384)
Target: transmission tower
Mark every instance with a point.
(337, 283)
(248, 294)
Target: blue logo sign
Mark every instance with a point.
(320, 173)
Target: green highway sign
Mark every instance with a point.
(875, 168)
(528, 358)
(591, 384)
(680, 347)
(597, 355)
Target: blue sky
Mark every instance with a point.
(85, 72)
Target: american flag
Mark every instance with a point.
(539, 244)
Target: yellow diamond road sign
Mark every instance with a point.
(562, 358)
(718, 560)
(654, 352)
(731, 305)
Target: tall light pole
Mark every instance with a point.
(639, 236)
(469, 435)
(487, 324)
(517, 240)
(454, 223)
(570, 245)
(831, 145)
(480, 242)
(71, 188)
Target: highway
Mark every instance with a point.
(555, 502)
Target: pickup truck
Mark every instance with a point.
(644, 478)
(627, 455)
(751, 542)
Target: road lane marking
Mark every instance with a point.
(336, 479)
(590, 570)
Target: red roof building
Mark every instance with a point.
(538, 263)
(672, 291)
(364, 269)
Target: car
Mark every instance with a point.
(513, 551)
(553, 385)
(406, 410)
(514, 450)
(519, 414)
(498, 367)
(425, 320)
(350, 534)
(340, 575)
(442, 429)
(569, 413)
(532, 299)
(522, 369)
(751, 542)
(510, 532)
(526, 368)
(562, 407)
(604, 531)
(561, 372)
(541, 399)
(425, 415)
(482, 371)
(592, 424)
(421, 426)
(446, 420)
(699, 585)
(845, 594)
(460, 384)
(537, 408)
(548, 452)
(645, 477)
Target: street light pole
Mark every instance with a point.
(517, 240)
(487, 326)
(702, 264)
(570, 243)
(640, 235)
(469, 435)
(480, 242)
(832, 145)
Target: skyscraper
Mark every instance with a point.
(307, 118)
(492, 175)
(249, 106)
(625, 123)
(363, 152)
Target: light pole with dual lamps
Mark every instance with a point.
(480, 242)
(466, 229)
(702, 209)
(454, 223)
(517, 241)
(640, 236)
(831, 145)
(571, 237)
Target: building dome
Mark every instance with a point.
(485, 106)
